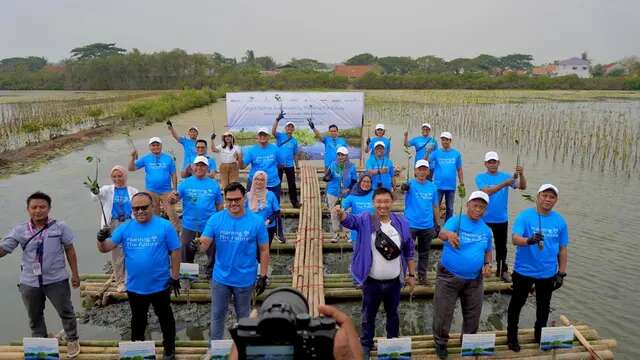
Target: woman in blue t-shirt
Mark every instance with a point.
(359, 200)
(264, 202)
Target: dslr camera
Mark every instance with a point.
(284, 330)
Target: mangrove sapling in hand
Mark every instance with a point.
(538, 235)
(92, 185)
(462, 193)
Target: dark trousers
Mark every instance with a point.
(189, 254)
(373, 293)
(500, 241)
(521, 288)
(59, 293)
(291, 182)
(448, 289)
(449, 197)
(423, 237)
(161, 302)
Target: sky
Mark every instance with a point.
(328, 30)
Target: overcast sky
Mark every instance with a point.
(327, 30)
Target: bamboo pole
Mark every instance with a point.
(565, 321)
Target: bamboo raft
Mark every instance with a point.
(340, 246)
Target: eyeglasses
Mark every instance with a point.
(140, 208)
(234, 200)
(201, 147)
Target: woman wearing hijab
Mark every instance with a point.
(359, 200)
(116, 204)
(264, 203)
(230, 157)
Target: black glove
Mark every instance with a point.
(327, 176)
(95, 190)
(535, 239)
(558, 280)
(194, 244)
(213, 136)
(280, 116)
(368, 141)
(103, 234)
(169, 124)
(175, 285)
(404, 187)
(311, 124)
(437, 229)
(261, 284)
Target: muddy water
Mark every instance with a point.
(601, 210)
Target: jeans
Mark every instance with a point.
(448, 289)
(373, 293)
(500, 243)
(449, 196)
(291, 183)
(521, 288)
(161, 302)
(59, 293)
(423, 238)
(220, 296)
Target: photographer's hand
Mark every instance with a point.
(346, 343)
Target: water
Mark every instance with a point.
(601, 209)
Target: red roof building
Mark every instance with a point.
(353, 71)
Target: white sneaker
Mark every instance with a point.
(73, 349)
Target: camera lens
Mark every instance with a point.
(278, 313)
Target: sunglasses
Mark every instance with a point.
(140, 208)
(234, 200)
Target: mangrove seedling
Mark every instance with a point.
(92, 185)
(462, 193)
(530, 198)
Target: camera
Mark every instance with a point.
(284, 330)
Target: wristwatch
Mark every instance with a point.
(412, 275)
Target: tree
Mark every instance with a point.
(31, 63)
(307, 64)
(266, 62)
(459, 65)
(96, 50)
(249, 57)
(362, 59)
(517, 61)
(597, 70)
(485, 63)
(431, 64)
(398, 65)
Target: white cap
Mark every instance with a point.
(201, 159)
(342, 150)
(422, 162)
(491, 155)
(155, 139)
(548, 187)
(446, 134)
(379, 126)
(379, 143)
(194, 128)
(263, 130)
(426, 125)
(290, 123)
(479, 195)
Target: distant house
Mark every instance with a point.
(614, 68)
(545, 70)
(574, 66)
(353, 71)
(58, 69)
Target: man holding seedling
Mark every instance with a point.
(263, 156)
(541, 237)
(188, 146)
(496, 184)
(331, 142)
(445, 163)
(379, 132)
(466, 258)
(160, 178)
(424, 144)
(287, 151)
(380, 168)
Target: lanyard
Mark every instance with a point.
(42, 234)
(379, 166)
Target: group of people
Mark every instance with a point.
(235, 225)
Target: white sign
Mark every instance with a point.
(556, 338)
(397, 348)
(220, 349)
(40, 348)
(189, 271)
(478, 344)
(137, 350)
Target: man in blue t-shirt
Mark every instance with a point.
(340, 177)
(423, 144)
(263, 156)
(422, 210)
(237, 235)
(379, 132)
(445, 163)
(496, 184)
(331, 142)
(188, 146)
(380, 168)
(541, 237)
(201, 150)
(160, 178)
(152, 262)
(287, 157)
(466, 258)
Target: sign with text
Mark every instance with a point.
(40, 348)
(478, 344)
(189, 271)
(560, 337)
(130, 350)
(220, 349)
(397, 348)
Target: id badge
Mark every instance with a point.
(37, 269)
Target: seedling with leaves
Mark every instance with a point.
(462, 193)
(94, 187)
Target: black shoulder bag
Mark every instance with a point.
(383, 243)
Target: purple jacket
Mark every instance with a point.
(362, 257)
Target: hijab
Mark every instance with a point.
(257, 196)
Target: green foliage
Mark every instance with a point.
(95, 112)
(362, 59)
(31, 63)
(96, 50)
(169, 105)
(307, 64)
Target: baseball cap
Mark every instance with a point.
(201, 159)
(290, 123)
(545, 187)
(422, 162)
(342, 150)
(263, 130)
(155, 139)
(479, 195)
(491, 155)
(379, 143)
(446, 134)
(194, 128)
(426, 125)
(379, 126)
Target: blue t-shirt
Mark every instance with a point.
(476, 238)
(445, 165)
(266, 209)
(287, 149)
(189, 148)
(338, 182)
(121, 204)
(498, 202)
(199, 200)
(422, 145)
(158, 170)
(237, 240)
(331, 145)
(385, 140)
(377, 164)
(265, 159)
(358, 204)
(419, 202)
(146, 250)
(530, 260)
